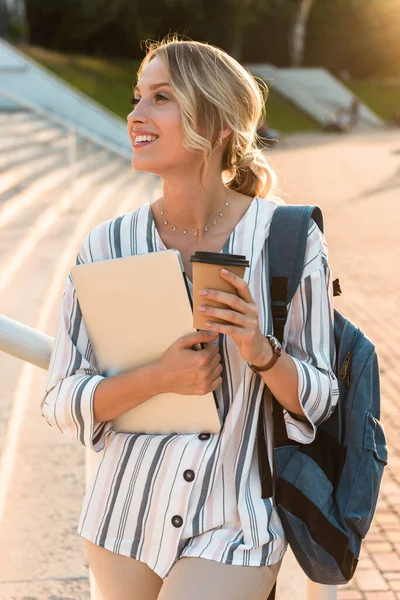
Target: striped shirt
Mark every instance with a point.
(157, 498)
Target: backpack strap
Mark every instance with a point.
(287, 242)
(286, 246)
(286, 249)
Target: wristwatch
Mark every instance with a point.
(277, 351)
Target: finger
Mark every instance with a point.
(216, 372)
(191, 339)
(239, 283)
(215, 384)
(208, 351)
(230, 330)
(226, 314)
(232, 300)
(215, 361)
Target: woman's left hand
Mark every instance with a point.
(242, 320)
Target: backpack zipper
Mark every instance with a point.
(344, 372)
(345, 369)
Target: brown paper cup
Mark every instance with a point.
(208, 276)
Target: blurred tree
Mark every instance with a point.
(115, 27)
(5, 18)
(330, 33)
(365, 38)
(298, 31)
(59, 25)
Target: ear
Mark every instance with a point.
(225, 133)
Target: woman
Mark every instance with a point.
(169, 517)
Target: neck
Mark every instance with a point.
(192, 208)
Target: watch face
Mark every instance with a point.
(275, 343)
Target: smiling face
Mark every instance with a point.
(156, 111)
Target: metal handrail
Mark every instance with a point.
(51, 116)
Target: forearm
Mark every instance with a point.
(119, 393)
(282, 380)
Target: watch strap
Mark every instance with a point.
(266, 367)
(276, 352)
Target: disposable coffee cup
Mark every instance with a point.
(206, 267)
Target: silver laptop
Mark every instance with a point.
(134, 308)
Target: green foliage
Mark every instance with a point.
(286, 117)
(383, 98)
(109, 82)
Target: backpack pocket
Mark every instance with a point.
(362, 503)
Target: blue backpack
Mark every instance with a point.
(326, 491)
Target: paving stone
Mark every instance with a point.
(390, 526)
(394, 584)
(379, 546)
(389, 561)
(67, 589)
(380, 596)
(374, 536)
(395, 499)
(366, 563)
(390, 487)
(387, 517)
(370, 580)
(349, 595)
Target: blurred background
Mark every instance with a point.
(96, 45)
(331, 134)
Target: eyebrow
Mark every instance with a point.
(154, 86)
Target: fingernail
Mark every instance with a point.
(224, 271)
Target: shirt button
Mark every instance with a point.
(177, 521)
(188, 475)
(204, 436)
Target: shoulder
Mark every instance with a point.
(265, 208)
(316, 254)
(104, 241)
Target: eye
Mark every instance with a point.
(134, 101)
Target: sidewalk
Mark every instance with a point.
(356, 181)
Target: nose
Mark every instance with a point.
(137, 114)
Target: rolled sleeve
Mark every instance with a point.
(309, 339)
(73, 377)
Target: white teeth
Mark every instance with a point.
(145, 138)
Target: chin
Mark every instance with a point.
(145, 166)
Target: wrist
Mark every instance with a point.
(264, 356)
(156, 375)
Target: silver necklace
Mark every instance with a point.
(186, 229)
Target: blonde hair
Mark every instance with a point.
(215, 92)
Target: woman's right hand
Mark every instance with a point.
(183, 370)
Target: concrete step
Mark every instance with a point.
(94, 167)
(17, 176)
(23, 154)
(41, 135)
(24, 129)
(46, 168)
